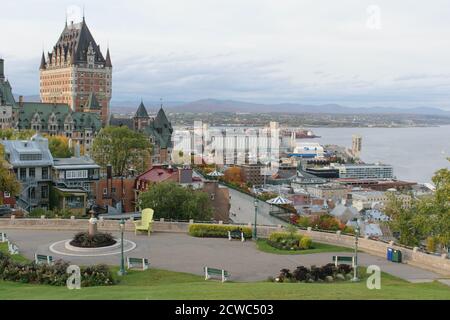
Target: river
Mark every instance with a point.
(414, 152)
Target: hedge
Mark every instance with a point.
(216, 230)
(278, 236)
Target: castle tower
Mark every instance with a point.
(141, 118)
(76, 72)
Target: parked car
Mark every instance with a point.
(5, 211)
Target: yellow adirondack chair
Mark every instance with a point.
(146, 222)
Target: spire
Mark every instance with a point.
(108, 59)
(141, 111)
(42, 61)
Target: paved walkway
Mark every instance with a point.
(243, 210)
(181, 252)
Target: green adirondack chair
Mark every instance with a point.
(146, 223)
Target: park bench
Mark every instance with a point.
(236, 234)
(344, 259)
(12, 248)
(218, 273)
(3, 237)
(146, 222)
(141, 263)
(42, 258)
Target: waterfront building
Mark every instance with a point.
(76, 73)
(308, 150)
(364, 171)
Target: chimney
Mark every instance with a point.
(21, 101)
(2, 69)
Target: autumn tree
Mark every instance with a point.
(59, 146)
(8, 181)
(233, 175)
(121, 147)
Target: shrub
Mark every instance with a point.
(326, 273)
(54, 274)
(305, 243)
(84, 240)
(216, 230)
(280, 236)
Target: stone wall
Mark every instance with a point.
(439, 264)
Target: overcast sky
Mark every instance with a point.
(306, 51)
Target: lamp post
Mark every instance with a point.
(355, 269)
(122, 260)
(256, 214)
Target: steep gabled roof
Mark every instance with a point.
(75, 40)
(141, 111)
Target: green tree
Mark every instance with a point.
(8, 181)
(428, 216)
(172, 201)
(122, 148)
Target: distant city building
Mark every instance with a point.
(76, 73)
(364, 171)
(328, 191)
(344, 213)
(324, 172)
(363, 200)
(356, 145)
(251, 173)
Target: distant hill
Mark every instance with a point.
(216, 105)
(213, 105)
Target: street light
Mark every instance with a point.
(355, 269)
(122, 260)
(256, 214)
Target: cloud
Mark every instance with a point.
(258, 50)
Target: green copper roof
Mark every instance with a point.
(141, 111)
(161, 129)
(6, 96)
(58, 113)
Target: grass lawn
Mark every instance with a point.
(161, 284)
(15, 257)
(317, 248)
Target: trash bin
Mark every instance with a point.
(396, 256)
(389, 254)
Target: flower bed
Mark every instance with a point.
(216, 231)
(326, 273)
(99, 240)
(55, 275)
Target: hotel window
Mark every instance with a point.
(45, 173)
(32, 173)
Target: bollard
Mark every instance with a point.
(338, 232)
(161, 219)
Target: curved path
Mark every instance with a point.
(181, 252)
